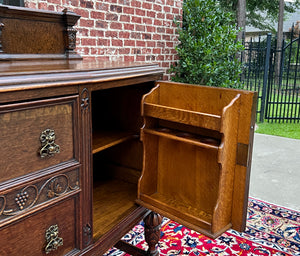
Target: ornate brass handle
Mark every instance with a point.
(52, 238)
(49, 148)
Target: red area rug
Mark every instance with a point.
(271, 230)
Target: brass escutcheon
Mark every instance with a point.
(49, 148)
(52, 239)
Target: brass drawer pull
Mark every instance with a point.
(49, 148)
(52, 238)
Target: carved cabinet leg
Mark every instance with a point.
(152, 232)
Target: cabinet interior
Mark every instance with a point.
(117, 154)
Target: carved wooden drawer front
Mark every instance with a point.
(49, 232)
(28, 197)
(37, 135)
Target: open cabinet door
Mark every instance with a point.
(197, 155)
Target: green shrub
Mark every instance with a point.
(207, 47)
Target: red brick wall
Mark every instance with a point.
(126, 30)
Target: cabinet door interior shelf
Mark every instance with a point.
(186, 137)
(105, 139)
(190, 142)
(115, 182)
(117, 155)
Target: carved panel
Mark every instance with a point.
(22, 199)
(86, 167)
(70, 39)
(85, 99)
(69, 32)
(87, 234)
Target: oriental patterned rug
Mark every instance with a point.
(271, 230)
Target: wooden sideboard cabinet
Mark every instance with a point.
(75, 174)
(70, 154)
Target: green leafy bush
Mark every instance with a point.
(207, 47)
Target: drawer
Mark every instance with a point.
(37, 135)
(15, 202)
(27, 237)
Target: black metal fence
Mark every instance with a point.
(275, 74)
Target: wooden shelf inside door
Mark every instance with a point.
(188, 176)
(107, 138)
(167, 204)
(189, 117)
(197, 140)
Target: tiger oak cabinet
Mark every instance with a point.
(70, 149)
(70, 155)
(87, 147)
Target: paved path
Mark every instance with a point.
(275, 173)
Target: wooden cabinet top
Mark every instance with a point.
(22, 75)
(37, 34)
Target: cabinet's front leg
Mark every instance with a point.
(152, 232)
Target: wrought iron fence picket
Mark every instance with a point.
(278, 90)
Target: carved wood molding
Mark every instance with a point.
(86, 163)
(69, 32)
(85, 101)
(152, 232)
(87, 234)
(32, 195)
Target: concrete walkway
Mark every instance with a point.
(275, 172)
